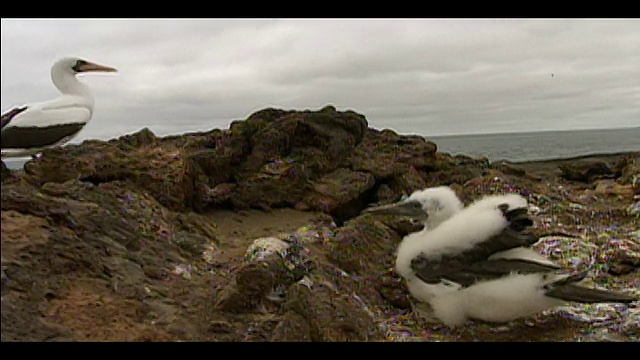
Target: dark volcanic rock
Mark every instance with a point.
(292, 328)
(261, 274)
(266, 160)
(386, 154)
(362, 245)
(509, 169)
(5, 172)
(144, 137)
(277, 184)
(323, 316)
(342, 193)
(399, 163)
(456, 169)
(290, 148)
(318, 139)
(629, 170)
(222, 153)
(109, 234)
(100, 241)
(586, 171)
(167, 173)
(217, 196)
(51, 253)
(407, 182)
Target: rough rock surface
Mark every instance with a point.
(5, 173)
(144, 238)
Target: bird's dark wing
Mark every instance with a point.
(516, 234)
(467, 266)
(569, 289)
(6, 117)
(467, 274)
(493, 269)
(14, 137)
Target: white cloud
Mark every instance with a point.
(415, 75)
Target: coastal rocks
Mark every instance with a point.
(404, 184)
(324, 314)
(166, 173)
(457, 169)
(586, 171)
(38, 269)
(4, 172)
(509, 169)
(622, 256)
(218, 196)
(610, 187)
(398, 163)
(142, 138)
(270, 265)
(604, 320)
(109, 236)
(274, 158)
(277, 184)
(262, 162)
(15, 240)
(217, 153)
(629, 169)
(363, 246)
(284, 150)
(288, 149)
(318, 139)
(315, 306)
(386, 154)
(342, 193)
(100, 241)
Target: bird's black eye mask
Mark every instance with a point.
(414, 204)
(77, 67)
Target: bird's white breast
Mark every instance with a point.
(500, 300)
(63, 110)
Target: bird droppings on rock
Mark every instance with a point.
(261, 248)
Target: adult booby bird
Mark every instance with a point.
(476, 262)
(28, 129)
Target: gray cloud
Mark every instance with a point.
(429, 76)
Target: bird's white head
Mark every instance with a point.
(431, 206)
(64, 71)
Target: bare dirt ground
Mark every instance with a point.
(238, 229)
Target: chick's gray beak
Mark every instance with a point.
(411, 209)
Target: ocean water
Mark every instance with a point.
(544, 145)
(524, 146)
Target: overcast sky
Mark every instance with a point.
(426, 76)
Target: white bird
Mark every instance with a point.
(28, 129)
(476, 262)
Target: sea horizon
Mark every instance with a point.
(530, 132)
(515, 146)
(541, 145)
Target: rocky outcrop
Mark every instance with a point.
(165, 172)
(274, 158)
(586, 172)
(629, 170)
(4, 172)
(122, 240)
